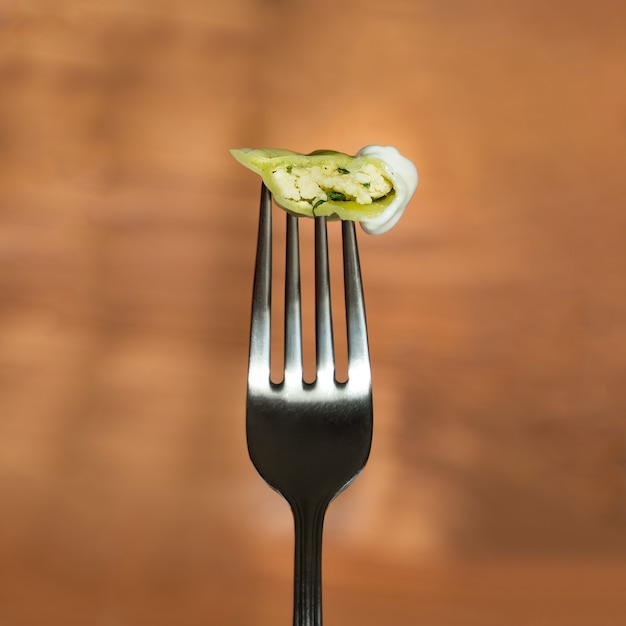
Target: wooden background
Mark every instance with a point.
(496, 489)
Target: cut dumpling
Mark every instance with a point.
(373, 187)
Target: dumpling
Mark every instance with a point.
(373, 187)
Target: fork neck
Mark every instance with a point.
(308, 523)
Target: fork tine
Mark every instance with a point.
(358, 351)
(323, 317)
(259, 356)
(293, 315)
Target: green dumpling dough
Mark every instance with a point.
(334, 184)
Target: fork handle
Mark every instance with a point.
(308, 522)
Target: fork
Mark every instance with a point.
(308, 441)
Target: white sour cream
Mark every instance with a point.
(403, 175)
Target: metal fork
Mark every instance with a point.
(308, 440)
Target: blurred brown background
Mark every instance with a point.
(495, 492)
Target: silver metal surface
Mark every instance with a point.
(308, 440)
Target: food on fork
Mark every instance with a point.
(372, 187)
